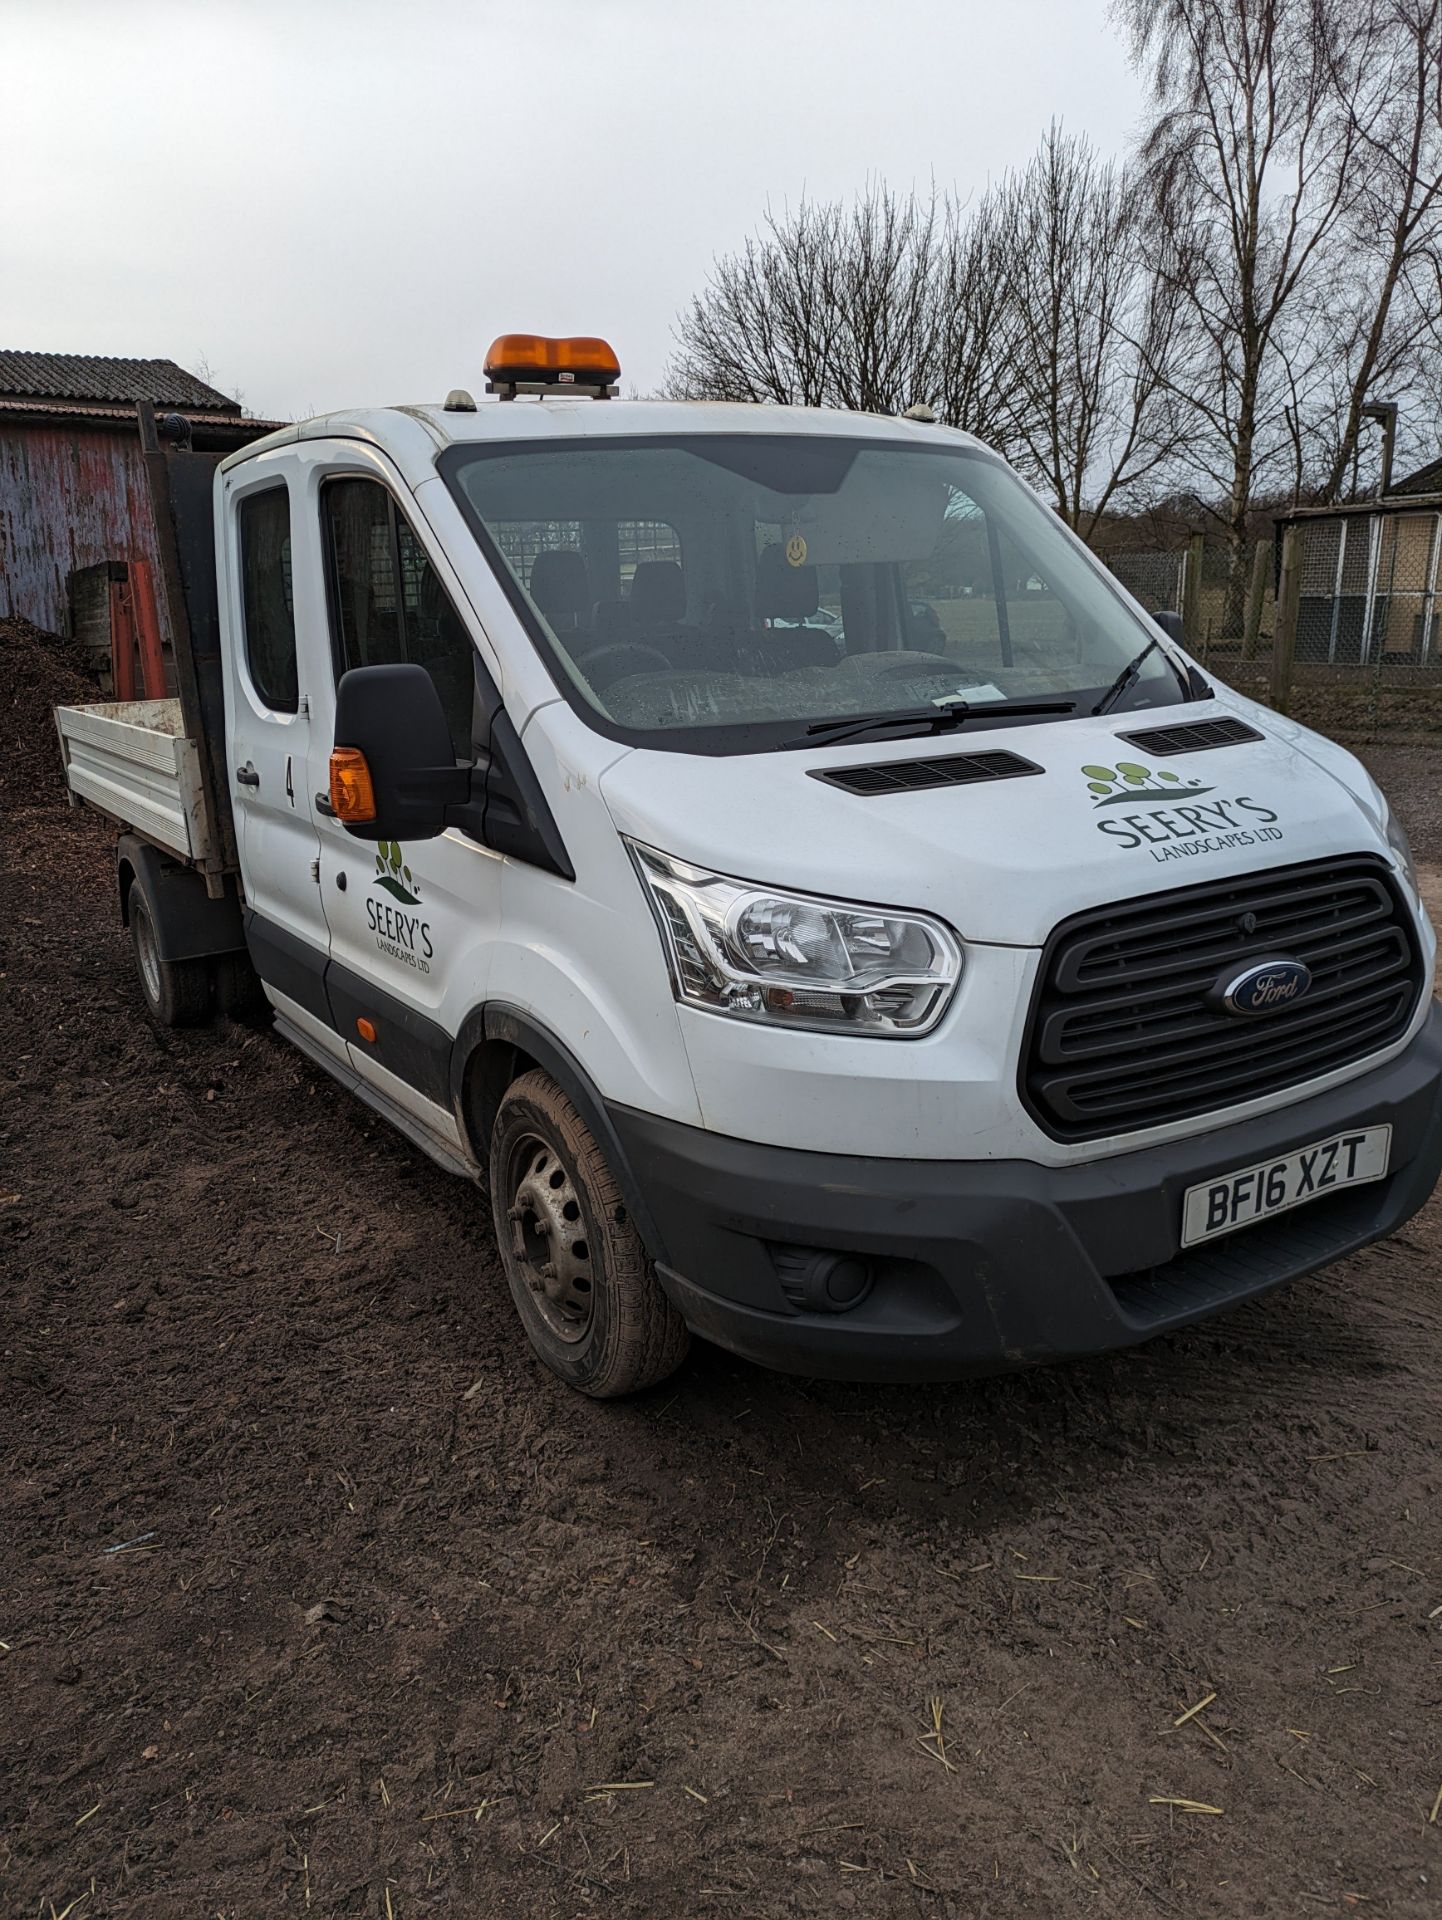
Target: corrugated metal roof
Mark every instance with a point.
(86, 376)
(1426, 479)
(82, 410)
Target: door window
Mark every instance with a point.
(387, 601)
(266, 591)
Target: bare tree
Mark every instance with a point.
(1028, 319)
(1088, 332)
(1249, 166)
(1210, 323)
(828, 306)
(1378, 309)
(976, 380)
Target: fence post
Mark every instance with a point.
(1256, 594)
(1284, 639)
(1192, 594)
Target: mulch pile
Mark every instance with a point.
(39, 671)
(320, 1597)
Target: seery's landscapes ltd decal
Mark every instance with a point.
(400, 935)
(1172, 817)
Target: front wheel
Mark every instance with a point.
(583, 1285)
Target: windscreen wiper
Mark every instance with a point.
(932, 719)
(1126, 677)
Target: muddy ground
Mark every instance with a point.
(319, 1596)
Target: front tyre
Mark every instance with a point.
(583, 1285)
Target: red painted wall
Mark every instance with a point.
(70, 496)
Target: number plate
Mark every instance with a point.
(1273, 1186)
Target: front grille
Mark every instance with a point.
(1125, 1030)
(912, 776)
(1192, 736)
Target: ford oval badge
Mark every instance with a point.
(1266, 986)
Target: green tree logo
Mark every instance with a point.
(1109, 786)
(393, 875)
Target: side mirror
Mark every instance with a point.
(1171, 625)
(393, 772)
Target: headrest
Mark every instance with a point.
(784, 592)
(559, 586)
(658, 592)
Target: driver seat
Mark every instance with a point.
(784, 592)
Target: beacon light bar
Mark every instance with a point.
(530, 363)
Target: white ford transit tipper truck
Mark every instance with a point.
(772, 852)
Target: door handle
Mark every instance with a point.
(323, 805)
(247, 775)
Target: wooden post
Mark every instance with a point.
(122, 642)
(147, 628)
(1194, 639)
(1256, 594)
(1284, 640)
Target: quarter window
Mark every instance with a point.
(269, 603)
(388, 603)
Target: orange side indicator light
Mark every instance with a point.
(366, 1029)
(352, 793)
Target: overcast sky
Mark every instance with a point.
(343, 201)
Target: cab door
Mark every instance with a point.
(412, 926)
(269, 744)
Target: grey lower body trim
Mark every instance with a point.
(981, 1266)
(414, 1130)
(408, 1044)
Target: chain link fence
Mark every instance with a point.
(1158, 580)
(1335, 622)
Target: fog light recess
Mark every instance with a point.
(815, 1281)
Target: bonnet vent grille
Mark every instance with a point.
(913, 776)
(1193, 736)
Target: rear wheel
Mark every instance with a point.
(177, 992)
(583, 1285)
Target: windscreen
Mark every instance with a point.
(725, 592)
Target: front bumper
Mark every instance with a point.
(983, 1266)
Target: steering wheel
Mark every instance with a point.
(620, 658)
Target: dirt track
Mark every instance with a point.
(399, 1609)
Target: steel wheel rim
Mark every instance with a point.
(145, 952)
(548, 1238)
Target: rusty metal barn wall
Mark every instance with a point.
(69, 497)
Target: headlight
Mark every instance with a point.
(796, 960)
(1399, 843)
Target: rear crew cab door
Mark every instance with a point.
(269, 734)
(412, 925)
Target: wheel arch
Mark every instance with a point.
(188, 924)
(495, 1046)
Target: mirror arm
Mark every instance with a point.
(468, 816)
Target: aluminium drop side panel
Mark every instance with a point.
(132, 760)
